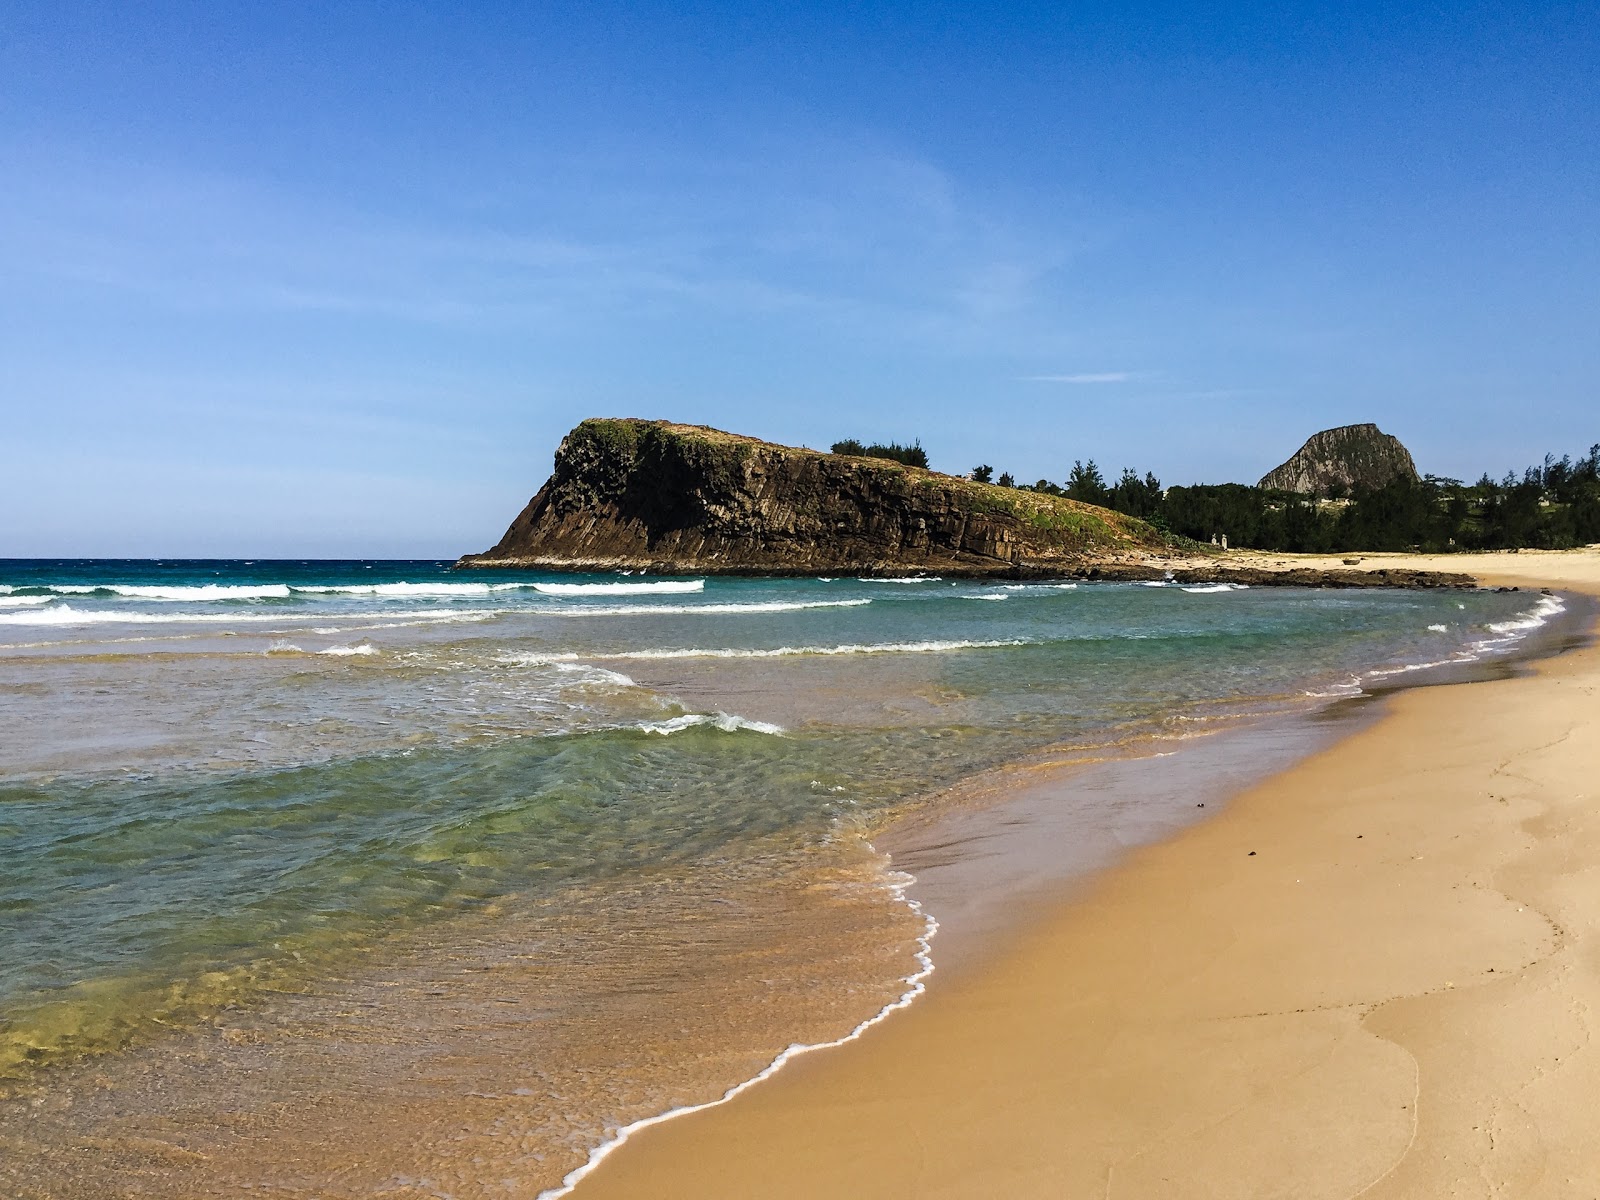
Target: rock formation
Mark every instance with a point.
(1342, 460)
(656, 496)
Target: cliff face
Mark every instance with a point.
(685, 498)
(1349, 457)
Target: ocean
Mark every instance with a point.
(444, 877)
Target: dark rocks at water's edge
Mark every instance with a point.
(1312, 577)
(656, 497)
(1344, 460)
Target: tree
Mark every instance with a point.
(1085, 483)
(982, 474)
(1005, 479)
(1137, 497)
(912, 456)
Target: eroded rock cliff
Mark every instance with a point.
(685, 498)
(1343, 460)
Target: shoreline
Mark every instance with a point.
(1247, 568)
(773, 1141)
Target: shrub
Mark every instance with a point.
(912, 456)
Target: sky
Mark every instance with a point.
(333, 279)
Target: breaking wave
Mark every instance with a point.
(932, 647)
(658, 587)
(65, 614)
(719, 720)
(763, 606)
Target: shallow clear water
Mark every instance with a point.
(224, 785)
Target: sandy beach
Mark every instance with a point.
(1371, 975)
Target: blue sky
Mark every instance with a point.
(333, 279)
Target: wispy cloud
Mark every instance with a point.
(847, 238)
(1089, 377)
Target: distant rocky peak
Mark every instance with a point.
(1346, 459)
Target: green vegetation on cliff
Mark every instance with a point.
(912, 456)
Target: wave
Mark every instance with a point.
(200, 592)
(7, 601)
(1407, 668)
(1548, 607)
(1508, 634)
(934, 647)
(988, 596)
(362, 648)
(283, 646)
(65, 614)
(283, 591)
(1039, 587)
(762, 606)
(659, 587)
(593, 674)
(407, 589)
(916, 984)
(720, 720)
(902, 579)
(1209, 589)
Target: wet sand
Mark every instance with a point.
(1373, 974)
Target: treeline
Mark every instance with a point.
(912, 456)
(1555, 505)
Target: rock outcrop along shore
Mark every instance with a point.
(654, 496)
(650, 495)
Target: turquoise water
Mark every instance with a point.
(223, 782)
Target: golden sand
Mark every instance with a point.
(1373, 975)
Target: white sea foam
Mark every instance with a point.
(915, 985)
(283, 646)
(1508, 633)
(65, 614)
(934, 647)
(1207, 589)
(361, 648)
(593, 674)
(23, 601)
(754, 606)
(658, 587)
(407, 590)
(1339, 691)
(1154, 583)
(902, 579)
(199, 592)
(1039, 587)
(721, 720)
(988, 596)
(1547, 607)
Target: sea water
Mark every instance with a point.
(311, 853)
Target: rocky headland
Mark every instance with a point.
(1343, 460)
(658, 497)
